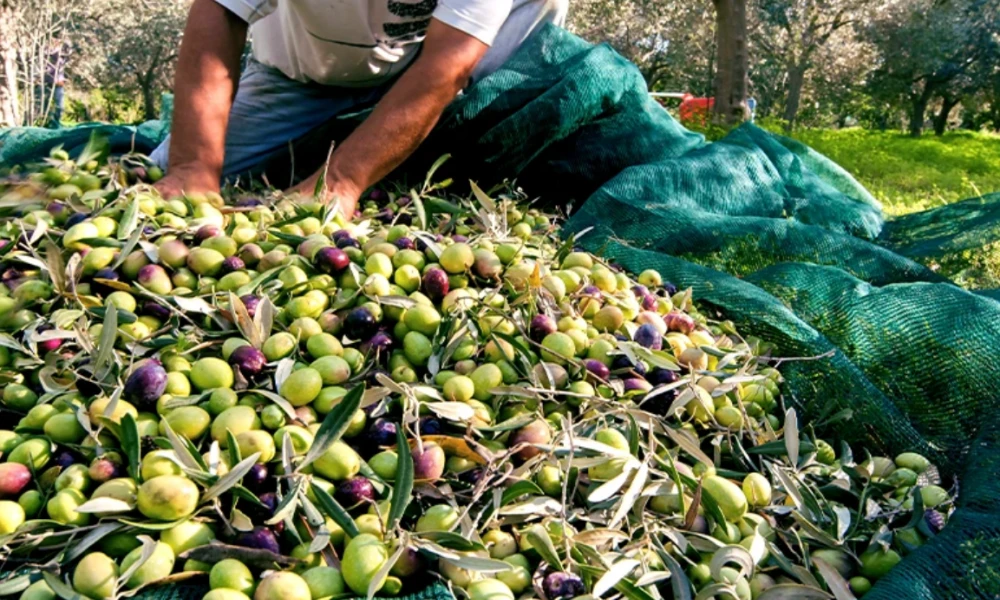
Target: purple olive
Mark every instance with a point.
(348, 242)
(659, 376)
(331, 260)
(678, 321)
(669, 288)
(472, 476)
(250, 302)
(621, 363)
(249, 360)
(48, 345)
(354, 492)
(460, 238)
(435, 284)
(649, 302)
(360, 324)
(639, 290)
(634, 384)
(207, 231)
(591, 291)
(12, 278)
(404, 219)
(100, 288)
(64, 458)
(429, 426)
(270, 502)
(76, 218)
(233, 264)
(700, 524)
(386, 215)
(429, 464)
(382, 432)
(107, 467)
(378, 195)
(340, 234)
(261, 538)
(249, 202)
(935, 520)
(541, 326)
(255, 478)
(405, 243)
(598, 369)
(560, 585)
(648, 336)
(146, 384)
(156, 310)
(380, 342)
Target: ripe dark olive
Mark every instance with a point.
(435, 284)
(155, 309)
(48, 345)
(678, 321)
(250, 254)
(472, 476)
(101, 289)
(634, 384)
(591, 291)
(660, 376)
(255, 478)
(541, 326)
(250, 301)
(640, 291)
(332, 259)
(405, 243)
(648, 336)
(249, 360)
(559, 585)
(355, 491)
(536, 432)
(76, 218)
(245, 202)
(233, 264)
(146, 384)
(260, 538)
(382, 432)
(360, 324)
(429, 464)
(404, 219)
(669, 288)
(380, 342)
(459, 238)
(378, 195)
(64, 458)
(599, 369)
(385, 216)
(429, 426)
(207, 231)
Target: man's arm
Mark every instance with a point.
(207, 75)
(403, 118)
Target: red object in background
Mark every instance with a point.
(696, 110)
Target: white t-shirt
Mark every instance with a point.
(356, 43)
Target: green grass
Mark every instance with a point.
(908, 174)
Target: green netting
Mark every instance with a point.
(782, 240)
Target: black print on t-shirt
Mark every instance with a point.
(399, 30)
(405, 10)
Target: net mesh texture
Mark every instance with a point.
(779, 238)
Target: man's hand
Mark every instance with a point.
(341, 192)
(403, 118)
(207, 74)
(186, 179)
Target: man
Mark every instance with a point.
(55, 79)
(316, 59)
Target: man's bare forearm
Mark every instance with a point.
(207, 76)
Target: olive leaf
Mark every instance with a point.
(618, 571)
(379, 579)
(791, 434)
(252, 557)
(131, 445)
(793, 591)
(289, 502)
(402, 491)
(244, 322)
(95, 535)
(628, 500)
(13, 585)
(148, 547)
(231, 478)
(334, 425)
(334, 510)
(519, 489)
(451, 540)
(106, 345)
(539, 539)
(186, 453)
(104, 505)
(679, 583)
(129, 219)
(233, 448)
(60, 587)
(834, 580)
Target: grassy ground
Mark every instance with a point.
(908, 174)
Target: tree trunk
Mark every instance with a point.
(941, 119)
(731, 72)
(919, 109)
(148, 97)
(9, 109)
(796, 79)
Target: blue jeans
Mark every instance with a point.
(272, 114)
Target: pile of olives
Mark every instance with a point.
(262, 395)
